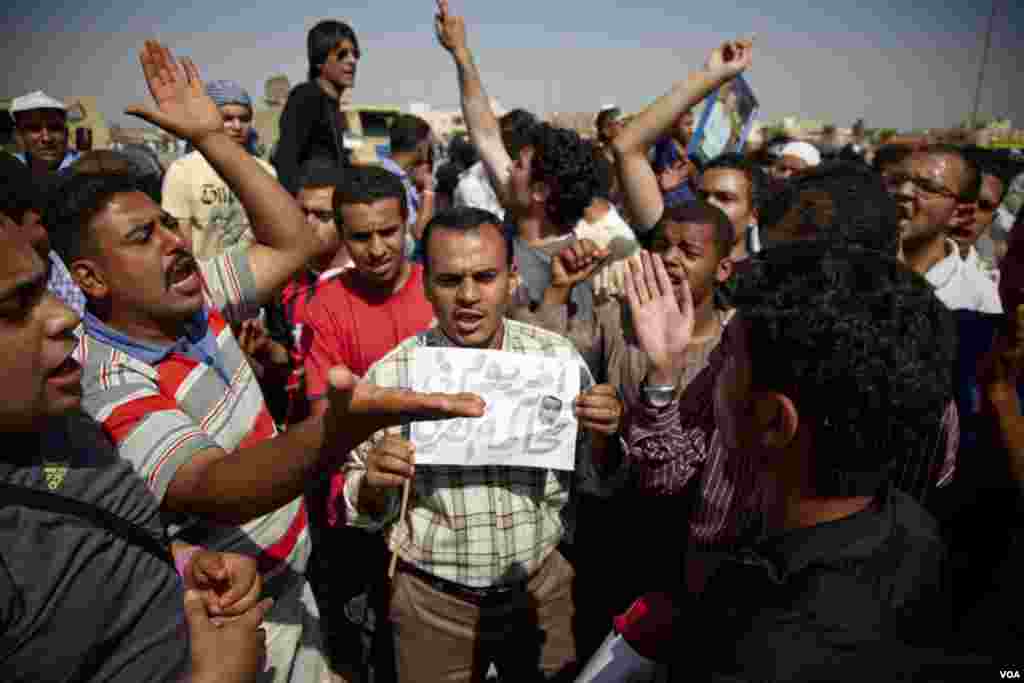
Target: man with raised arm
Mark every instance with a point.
(167, 380)
(546, 191)
(644, 197)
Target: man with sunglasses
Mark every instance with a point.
(41, 127)
(937, 191)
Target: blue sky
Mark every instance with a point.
(899, 63)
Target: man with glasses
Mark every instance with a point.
(196, 195)
(937, 191)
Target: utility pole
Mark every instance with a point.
(984, 63)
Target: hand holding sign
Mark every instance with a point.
(731, 59)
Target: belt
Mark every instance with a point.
(478, 596)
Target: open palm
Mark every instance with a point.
(664, 326)
(183, 107)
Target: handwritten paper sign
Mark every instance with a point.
(529, 420)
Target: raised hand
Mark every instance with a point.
(229, 582)
(451, 29)
(576, 263)
(664, 326)
(731, 59)
(183, 107)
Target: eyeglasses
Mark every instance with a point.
(343, 54)
(922, 186)
(321, 215)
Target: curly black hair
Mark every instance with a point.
(80, 198)
(862, 346)
(841, 201)
(564, 161)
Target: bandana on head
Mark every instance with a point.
(228, 92)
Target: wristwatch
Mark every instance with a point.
(658, 395)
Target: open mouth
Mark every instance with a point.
(467, 322)
(183, 276)
(381, 268)
(68, 372)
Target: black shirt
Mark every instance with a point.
(792, 604)
(78, 603)
(311, 127)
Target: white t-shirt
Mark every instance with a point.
(193, 192)
(614, 234)
(962, 286)
(474, 189)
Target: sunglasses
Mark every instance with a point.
(344, 53)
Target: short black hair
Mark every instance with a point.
(516, 130)
(70, 210)
(564, 161)
(144, 165)
(463, 219)
(991, 163)
(366, 185)
(971, 182)
(702, 213)
(890, 155)
(756, 177)
(320, 172)
(860, 210)
(323, 38)
(462, 152)
(407, 132)
(863, 347)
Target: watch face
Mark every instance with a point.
(659, 398)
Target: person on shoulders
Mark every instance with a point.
(312, 124)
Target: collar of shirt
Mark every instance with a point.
(855, 537)
(198, 343)
(753, 239)
(70, 157)
(942, 273)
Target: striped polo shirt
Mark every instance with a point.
(162, 405)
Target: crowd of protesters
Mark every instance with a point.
(800, 445)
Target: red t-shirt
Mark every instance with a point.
(356, 329)
(350, 327)
(296, 298)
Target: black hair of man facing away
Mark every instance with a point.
(843, 363)
(843, 202)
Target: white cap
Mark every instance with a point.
(802, 150)
(36, 100)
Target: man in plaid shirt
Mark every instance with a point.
(480, 579)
